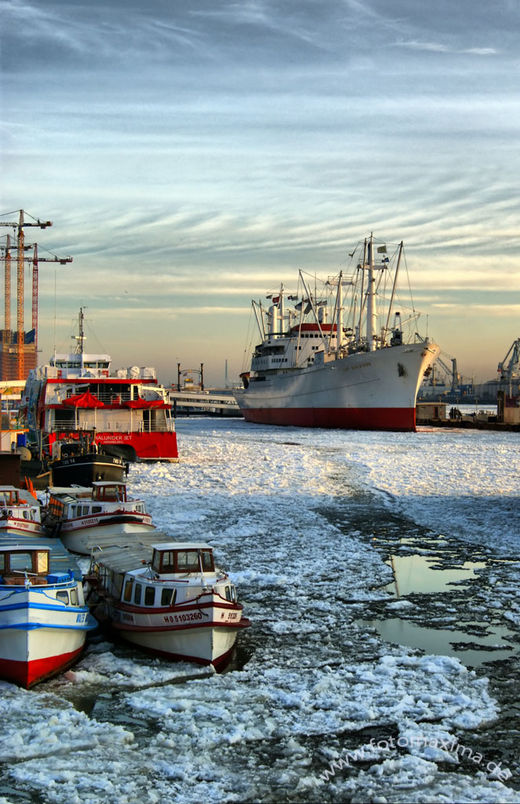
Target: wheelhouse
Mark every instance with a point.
(177, 558)
(16, 561)
(9, 495)
(109, 491)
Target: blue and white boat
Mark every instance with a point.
(43, 617)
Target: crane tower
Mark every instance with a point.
(19, 349)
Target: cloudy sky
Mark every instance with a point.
(193, 154)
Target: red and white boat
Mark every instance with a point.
(20, 513)
(43, 617)
(84, 517)
(127, 411)
(329, 358)
(178, 604)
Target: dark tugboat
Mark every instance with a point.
(82, 462)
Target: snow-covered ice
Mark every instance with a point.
(298, 517)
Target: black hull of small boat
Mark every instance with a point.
(83, 470)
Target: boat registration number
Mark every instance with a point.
(183, 618)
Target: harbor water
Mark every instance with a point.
(380, 572)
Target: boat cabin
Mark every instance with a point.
(106, 491)
(175, 558)
(9, 495)
(20, 563)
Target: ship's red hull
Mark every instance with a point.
(341, 418)
(153, 446)
(28, 673)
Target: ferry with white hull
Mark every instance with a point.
(126, 411)
(303, 374)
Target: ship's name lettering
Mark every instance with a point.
(183, 618)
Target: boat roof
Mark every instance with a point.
(122, 559)
(10, 548)
(182, 546)
(70, 490)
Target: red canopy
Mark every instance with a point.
(146, 403)
(85, 400)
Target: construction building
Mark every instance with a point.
(18, 348)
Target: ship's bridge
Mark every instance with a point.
(71, 365)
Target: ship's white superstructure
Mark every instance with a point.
(127, 412)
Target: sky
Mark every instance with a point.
(193, 155)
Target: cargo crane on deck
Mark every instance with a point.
(20, 247)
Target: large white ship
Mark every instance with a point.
(342, 354)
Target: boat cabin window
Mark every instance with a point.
(137, 593)
(96, 509)
(9, 497)
(127, 594)
(36, 561)
(170, 561)
(164, 562)
(168, 597)
(63, 596)
(188, 561)
(149, 596)
(74, 597)
(113, 492)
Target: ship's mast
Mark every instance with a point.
(339, 320)
(80, 338)
(371, 299)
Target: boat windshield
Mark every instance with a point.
(170, 561)
(34, 561)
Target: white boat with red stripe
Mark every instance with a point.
(43, 617)
(20, 513)
(83, 516)
(175, 603)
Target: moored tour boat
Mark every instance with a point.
(43, 617)
(78, 464)
(328, 359)
(128, 411)
(20, 513)
(102, 514)
(179, 605)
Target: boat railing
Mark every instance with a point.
(118, 425)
